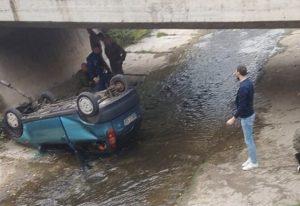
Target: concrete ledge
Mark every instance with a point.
(189, 14)
(172, 25)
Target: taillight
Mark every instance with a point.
(111, 138)
(102, 147)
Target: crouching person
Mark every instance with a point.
(97, 68)
(83, 82)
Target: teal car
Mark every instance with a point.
(103, 120)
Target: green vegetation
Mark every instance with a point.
(160, 34)
(125, 37)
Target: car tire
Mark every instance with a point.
(47, 97)
(120, 81)
(12, 123)
(87, 104)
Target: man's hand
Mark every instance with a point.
(298, 94)
(107, 71)
(96, 79)
(231, 121)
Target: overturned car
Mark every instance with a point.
(103, 119)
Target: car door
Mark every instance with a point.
(46, 131)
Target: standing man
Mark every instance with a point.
(97, 68)
(245, 111)
(115, 53)
(94, 38)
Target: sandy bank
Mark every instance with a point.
(220, 181)
(153, 53)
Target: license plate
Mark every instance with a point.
(130, 119)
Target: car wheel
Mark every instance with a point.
(47, 97)
(119, 82)
(87, 104)
(12, 123)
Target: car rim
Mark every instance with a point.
(85, 105)
(12, 120)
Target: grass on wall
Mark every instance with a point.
(125, 37)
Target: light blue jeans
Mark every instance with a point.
(247, 125)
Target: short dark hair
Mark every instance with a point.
(242, 69)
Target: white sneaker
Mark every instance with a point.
(250, 166)
(247, 162)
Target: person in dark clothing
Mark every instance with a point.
(114, 52)
(83, 82)
(245, 111)
(94, 39)
(97, 68)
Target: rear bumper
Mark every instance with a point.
(129, 133)
(124, 136)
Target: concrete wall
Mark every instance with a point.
(36, 59)
(151, 13)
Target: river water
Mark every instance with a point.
(185, 108)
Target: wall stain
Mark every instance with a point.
(12, 4)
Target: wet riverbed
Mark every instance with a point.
(185, 112)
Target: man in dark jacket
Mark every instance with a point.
(97, 68)
(245, 111)
(94, 38)
(115, 53)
